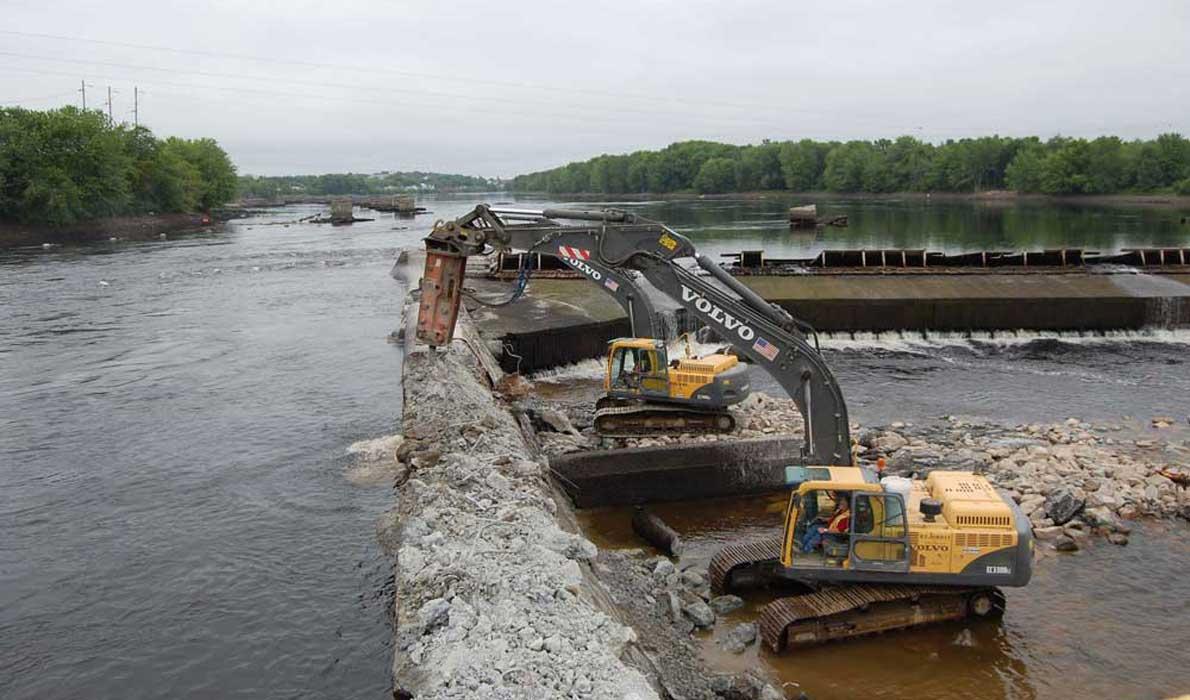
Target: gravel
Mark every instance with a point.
(490, 593)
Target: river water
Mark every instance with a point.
(177, 418)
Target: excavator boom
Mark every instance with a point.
(611, 247)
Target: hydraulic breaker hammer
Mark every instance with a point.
(441, 292)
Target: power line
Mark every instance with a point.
(615, 116)
(455, 115)
(700, 101)
(454, 96)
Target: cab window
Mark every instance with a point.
(627, 360)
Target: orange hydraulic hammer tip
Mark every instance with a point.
(441, 291)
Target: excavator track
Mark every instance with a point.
(856, 610)
(844, 611)
(734, 559)
(652, 419)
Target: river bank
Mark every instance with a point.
(124, 228)
(990, 197)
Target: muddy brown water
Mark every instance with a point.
(1107, 622)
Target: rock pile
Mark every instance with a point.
(1071, 479)
(490, 598)
(757, 416)
(667, 605)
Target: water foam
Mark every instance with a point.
(593, 368)
(375, 461)
(920, 342)
(376, 449)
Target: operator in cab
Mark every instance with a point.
(839, 523)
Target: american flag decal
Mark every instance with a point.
(575, 253)
(611, 284)
(766, 348)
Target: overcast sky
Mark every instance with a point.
(498, 89)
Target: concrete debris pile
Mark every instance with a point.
(490, 598)
(568, 427)
(667, 605)
(1071, 479)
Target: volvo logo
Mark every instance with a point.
(717, 314)
(584, 268)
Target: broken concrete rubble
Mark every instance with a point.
(491, 596)
(496, 595)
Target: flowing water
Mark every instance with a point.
(181, 424)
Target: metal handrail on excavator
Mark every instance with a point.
(609, 247)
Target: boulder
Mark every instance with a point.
(738, 637)
(1047, 533)
(1118, 538)
(726, 603)
(900, 461)
(1030, 503)
(557, 420)
(699, 613)
(889, 442)
(1063, 503)
(434, 613)
(1065, 543)
(868, 436)
(1099, 517)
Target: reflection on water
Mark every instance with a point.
(1106, 622)
(943, 225)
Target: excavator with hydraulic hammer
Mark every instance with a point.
(863, 553)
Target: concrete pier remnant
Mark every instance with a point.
(342, 211)
(494, 591)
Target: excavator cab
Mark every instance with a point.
(638, 368)
(876, 537)
(649, 394)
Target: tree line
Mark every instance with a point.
(68, 165)
(1058, 166)
(359, 183)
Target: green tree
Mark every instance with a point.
(802, 164)
(1023, 174)
(760, 168)
(68, 165)
(909, 162)
(847, 165)
(716, 175)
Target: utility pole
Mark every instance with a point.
(83, 89)
(135, 106)
(109, 104)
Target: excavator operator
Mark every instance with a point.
(641, 367)
(839, 523)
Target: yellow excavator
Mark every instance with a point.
(866, 553)
(647, 394)
(912, 553)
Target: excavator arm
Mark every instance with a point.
(606, 246)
